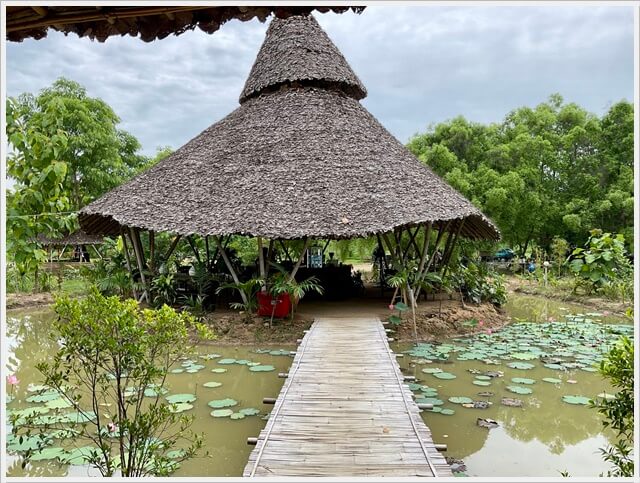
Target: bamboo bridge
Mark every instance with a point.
(345, 410)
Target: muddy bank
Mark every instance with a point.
(26, 300)
(532, 287)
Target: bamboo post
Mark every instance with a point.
(152, 251)
(137, 249)
(173, 246)
(193, 248)
(445, 261)
(261, 267)
(299, 262)
(441, 231)
(127, 258)
(286, 251)
(232, 271)
(425, 248)
(206, 247)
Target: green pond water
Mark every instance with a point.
(544, 436)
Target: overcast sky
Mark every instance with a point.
(420, 64)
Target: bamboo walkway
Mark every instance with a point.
(344, 410)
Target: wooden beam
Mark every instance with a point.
(445, 263)
(441, 231)
(173, 246)
(42, 11)
(127, 257)
(263, 273)
(232, 271)
(286, 251)
(425, 247)
(297, 266)
(152, 251)
(137, 248)
(193, 248)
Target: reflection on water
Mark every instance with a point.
(543, 437)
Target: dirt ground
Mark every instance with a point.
(24, 300)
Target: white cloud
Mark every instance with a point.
(420, 65)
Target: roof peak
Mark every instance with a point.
(297, 51)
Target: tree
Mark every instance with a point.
(111, 369)
(617, 366)
(98, 155)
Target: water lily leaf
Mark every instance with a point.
(481, 383)
(242, 362)
(59, 403)
(557, 367)
(589, 369)
(249, 411)
(187, 363)
(218, 370)
(444, 375)
(154, 391)
(177, 371)
(47, 454)
(435, 409)
(176, 453)
(512, 402)
(447, 412)
(226, 361)
(551, 380)
(430, 400)
(279, 352)
(44, 397)
(212, 384)
(401, 306)
(576, 400)
(208, 357)
(180, 398)
(460, 400)
(483, 378)
(251, 364)
(521, 365)
(28, 443)
(222, 403)
(237, 416)
(520, 389)
(265, 368)
(79, 456)
(37, 387)
(221, 413)
(79, 417)
(414, 386)
(431, 370)
(180, 407)
(523, 380)
(524, 356)
(32, 411)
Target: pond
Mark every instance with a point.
(544, 436)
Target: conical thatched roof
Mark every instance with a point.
(78, 237)
(300, 157)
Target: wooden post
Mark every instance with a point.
(125, 246)
(193, 248)
(137, 248)
(261, 267)
(425, 248)
(152, 251)
(286, 251)
(447, 258)
(299, 262)
(441, 231)
(173, 246)
(232, 271)
(206, 246)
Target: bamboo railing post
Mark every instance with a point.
(127, 258)
(137, 249)
(232, 271)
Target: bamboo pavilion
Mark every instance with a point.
(300, 158)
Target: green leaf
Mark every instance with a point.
(581, 400)
(222, 403)
(265, 368)
(401, 306)
(180, 398)
(222, 413)
(212, 384)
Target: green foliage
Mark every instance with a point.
(602, 263)
(478, 283)
(110, 353)
(110, 274)
(163, 290)
(617, 367)
(550, 171)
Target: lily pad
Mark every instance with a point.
(430, 400)
(483, 378)
(37, 387)
(79, 456)
(44, 397)
(481, 383)
(221, 413)
(155, 391)
(589, 369)
(177, 370)
(59, 403)
(576, 400)
(460, 400)
(519, 389)
(447, 412)
(523, 380)
(265, 368)
(521, 365)
(176, 453)
(47, 454)
(222, 403)
(180, 407)
(444, 375)
(435, 409)
(243, 362)
(181, 398)
(524, 356)
(28, 443)
(218, 370)
(208, 357)
(250, 411)
(552, 380)
(431, 370)
(226, 361)
(237, 416)
(212, 384)
(556, 367)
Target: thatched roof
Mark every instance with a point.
(303, 160)
(78, 237)
(149, 22)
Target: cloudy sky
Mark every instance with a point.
(420, 64)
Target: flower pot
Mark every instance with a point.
(279, 306)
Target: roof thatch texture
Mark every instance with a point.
(78, 237)
(302, 160)
(148, 22)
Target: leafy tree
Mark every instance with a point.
(111, 369)
(617, 366)
(97, 154)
